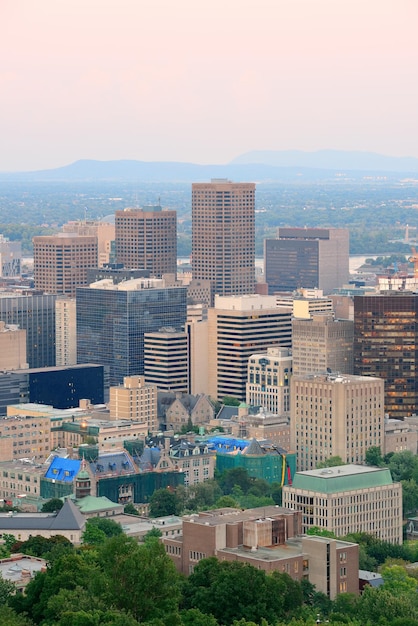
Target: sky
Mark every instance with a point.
(204, 81)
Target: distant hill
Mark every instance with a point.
(258, 166)
(330, 160)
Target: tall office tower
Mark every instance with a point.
(10, 258)
(166, 359)
(321, 343)
(65, 331)
(307, 258)
(334, 415)
(134, 400)
(386, 345)
(147, 239)
(239, 326)
(268, 383)
(223, 239)
(103, 230)
(35, 314)
(112, 319)
(12, 347)
(60, 262)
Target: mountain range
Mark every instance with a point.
(277, 166)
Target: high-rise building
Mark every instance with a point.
(112, 319)
(10, 258)
(321, 343)
(268, 383)
(134, 400)
(12, 347)
(65, 331)
(166, 359)
(386, 345)
(239, 326)
(223, 235)
(103, 230)
(36, 314)
(147, 239)
(335, 415)
(307, 258)
(60, 262)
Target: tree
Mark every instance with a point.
(93, 535)
(374, 457)
(108, 526)
(154, 533)
(129, 509)
(7, 589)
(333, 461)
(55, 504)
(226, 502)
(409, 497)
(402, 465)
(237, 476)
(320, 532)
(164, 502)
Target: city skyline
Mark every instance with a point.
(204, 82)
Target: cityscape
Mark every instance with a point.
(208, 313)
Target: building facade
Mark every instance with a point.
(12, 347)
(103, 230)
(386, 345)
(60, 262)
(307, 258)
(147, 239)
(166, 359)
(65, 331)
(223, 235)
(348, 499)
(10, 258)
(113, 318)
(135, 400)
(335, 415)
(239, 326)
(321, 343)
(268, 383)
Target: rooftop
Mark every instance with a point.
(342, 478)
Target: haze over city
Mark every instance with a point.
(204, 81)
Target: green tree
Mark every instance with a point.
(93, 535)
(108, 526)
(129, 509)
(154, 533)
(8, 617)
(55, 504)
(402, 465)
(374, 457)
(7, 589)
(320, 532)
(237, 476)
(409, 497)
(333, 461)
(227, 501)
(164, 502)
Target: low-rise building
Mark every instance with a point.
(20, 569)
(175, 411)
(347, 499)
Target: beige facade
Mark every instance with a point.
(31, 436)
(147, 239)
(60, 262)
(400, 435)
(135, 400)
(166, 360)
(199, 409)
(239, 326)
(12, 347)
(223, 235)
(65, 331)
(198, 333)
(321, 343)
(102, 230)
(20, 479)
(335, 415)
(263, 425)
(348, 499)
(268, 383)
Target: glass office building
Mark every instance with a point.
(112, 320)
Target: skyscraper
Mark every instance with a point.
(386, 345)
(60, 262)
(147, 239)
(223, 235)
(307, 258)
(112, 319)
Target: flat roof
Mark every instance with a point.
(230, 515)
(342, 478)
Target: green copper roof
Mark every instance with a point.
(342, 478)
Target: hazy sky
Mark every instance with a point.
(204, 80)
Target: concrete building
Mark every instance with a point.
(335, 415)
(65, 331)
(348, 499)
(269, 539)
(30, 436)
(268, 383)
(176, 410)
(195, 460)
(147, 238)
(307, 257)
(10, 258)
(135, 400)
(261, 425)
(223, 235)
(60, 262)
(198, 341)
(400, 435)
(12, 347)
(34, 313)
(166, 359)
(305, 302)
(113, 318)
(386, 345)
(103, 230)
(321, 343)
(238, 327)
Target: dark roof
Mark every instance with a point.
(68, 518)
(227, 412)
(254, 449)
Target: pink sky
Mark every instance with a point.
(204, 81)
